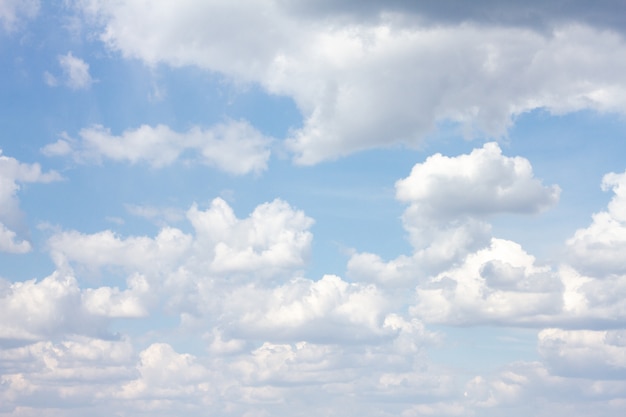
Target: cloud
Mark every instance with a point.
(187, 271)
(273, 238)
(598, 249)
(584, 353)
(9, 244)
(365, 83)
(478, 184)
(70, 373)
(449, 200)
(234, 147)
(33, 311)
(13, 172)
(161, 369)
(326, 310)
(76, 72)
(519, 387)
(12, 11)
(538, 14)
(498, 285)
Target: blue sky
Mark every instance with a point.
(273, 208)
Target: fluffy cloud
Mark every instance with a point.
(165, 373)
(143, 254)
(477, 184)
(13, 172)
(73, 372)
(326, 310)
(449, 199)
(233, 147)
(76, 72)
(363, 83)
(584, 353)
(598, 250)
(273, 238)
(194, 272)
(499, 284)
(33, 310)
(8, 242)
(519, 387)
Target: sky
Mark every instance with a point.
(312, 208)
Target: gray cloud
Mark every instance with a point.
(537, 14)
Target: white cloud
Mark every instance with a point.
(13, 172)
(234, 147)
(76, 72)
(363, 83)
(481, 183)
(500, 284)
(70, 373)
(593, 301)
(520, 386)
(584, 353)
(9, 244)
(12, 11)
(598, 250)
(141, 253)
(111, 302)
(326, 310)
(273, 238)
(449, 199)
(192, 273)
(164, 373)
(33, 310)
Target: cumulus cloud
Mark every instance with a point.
(363, 83)
(8, 242)
(449, 200)
(13, 172)
(165, 373)
(521, 385)
(481, 183)
(584, 353)
(73, 372)
(76, 72)
(194, 272)
(598, 250)
(499, 284)
(32, 310)
(326, 310)
(234, 146)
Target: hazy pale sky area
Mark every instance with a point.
(295, 208)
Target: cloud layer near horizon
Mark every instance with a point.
(238, 282)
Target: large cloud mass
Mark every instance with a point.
(362, 83)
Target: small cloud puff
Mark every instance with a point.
(76, 72)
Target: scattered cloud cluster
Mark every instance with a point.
(238, 282)
(214, 312)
